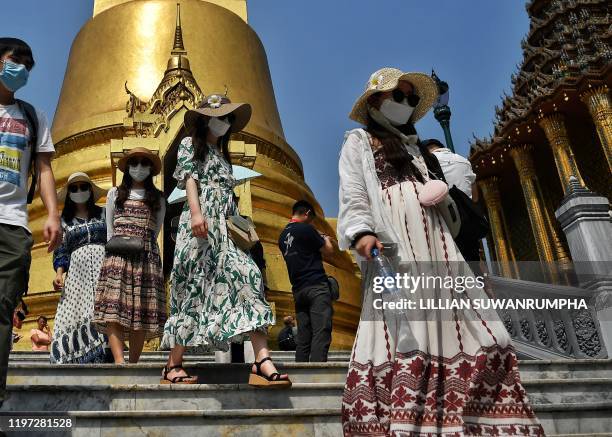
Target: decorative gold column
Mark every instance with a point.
(560, 251)
(600, 106)
(492, 197)
(556, 133)
(522, 157)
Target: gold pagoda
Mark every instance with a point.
(557, 124)
(134, 69)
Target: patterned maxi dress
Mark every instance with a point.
(131, 290)
(75, 339)
(430, 375)
(216, 288)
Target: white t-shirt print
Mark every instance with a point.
(15, 160)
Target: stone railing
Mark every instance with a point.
(549, 333)
(545, 334)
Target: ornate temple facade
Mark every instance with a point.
(556, 125)
(135, 68)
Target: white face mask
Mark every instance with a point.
(140, 172)
(80, 196)
(218, 127)
(398, 114)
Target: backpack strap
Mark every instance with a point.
(32, 119)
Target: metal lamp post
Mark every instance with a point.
(442, 112)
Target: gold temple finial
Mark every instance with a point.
(179, 47)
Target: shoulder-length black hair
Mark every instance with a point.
(69, 210)
(153, 196)
(198, 139)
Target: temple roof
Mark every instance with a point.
(566, 48)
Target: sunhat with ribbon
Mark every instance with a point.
(141, 152)
(80, 177)
(217, 105)
(387, 79)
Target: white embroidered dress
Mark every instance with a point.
(424, 374)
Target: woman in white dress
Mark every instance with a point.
(419, 372)
(77, 262)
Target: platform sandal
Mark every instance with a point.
(258, 379)
(178, 379)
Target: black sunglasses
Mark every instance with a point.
(399, 96)
(21, 315)
(145, 162)
(75, 188)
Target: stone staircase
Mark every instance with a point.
(571, 397)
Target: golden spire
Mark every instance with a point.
(178, 59)
(179, 47)
(178, 86)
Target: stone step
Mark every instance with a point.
(559, 420)
(119, 397)
(565, 368)
(142, 397)
(303, 422)
(583, 418)
(571, 397)
(162, 356)
(148, 372)
(568, 391)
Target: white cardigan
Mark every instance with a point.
(360, 203)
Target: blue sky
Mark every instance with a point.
(321, 53)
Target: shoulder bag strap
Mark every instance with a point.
(32, 120)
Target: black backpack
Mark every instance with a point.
(286, 340)
(32, 119)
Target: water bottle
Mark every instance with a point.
(390, 294)
(384, 270)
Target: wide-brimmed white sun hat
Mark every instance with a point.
(387, 79)
(217, 105)
(80, 177)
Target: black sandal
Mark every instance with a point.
(178, 379)
(258, 379)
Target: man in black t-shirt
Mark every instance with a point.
(302, 247)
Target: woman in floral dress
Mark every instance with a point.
(422, 372)
(77, 262)
(216, 288)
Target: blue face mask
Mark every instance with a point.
(13, 76)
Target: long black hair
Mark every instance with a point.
(69, 210)
(198, 139)
(394, 150)
(153, 197)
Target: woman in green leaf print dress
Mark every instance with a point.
(216, 288)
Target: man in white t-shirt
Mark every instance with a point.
(16, 125)
(458, 172)
(457, 169)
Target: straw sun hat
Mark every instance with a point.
(387, 79)
(80, 177)
(219, 106)
(141, 152)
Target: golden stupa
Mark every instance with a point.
(134, 69)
